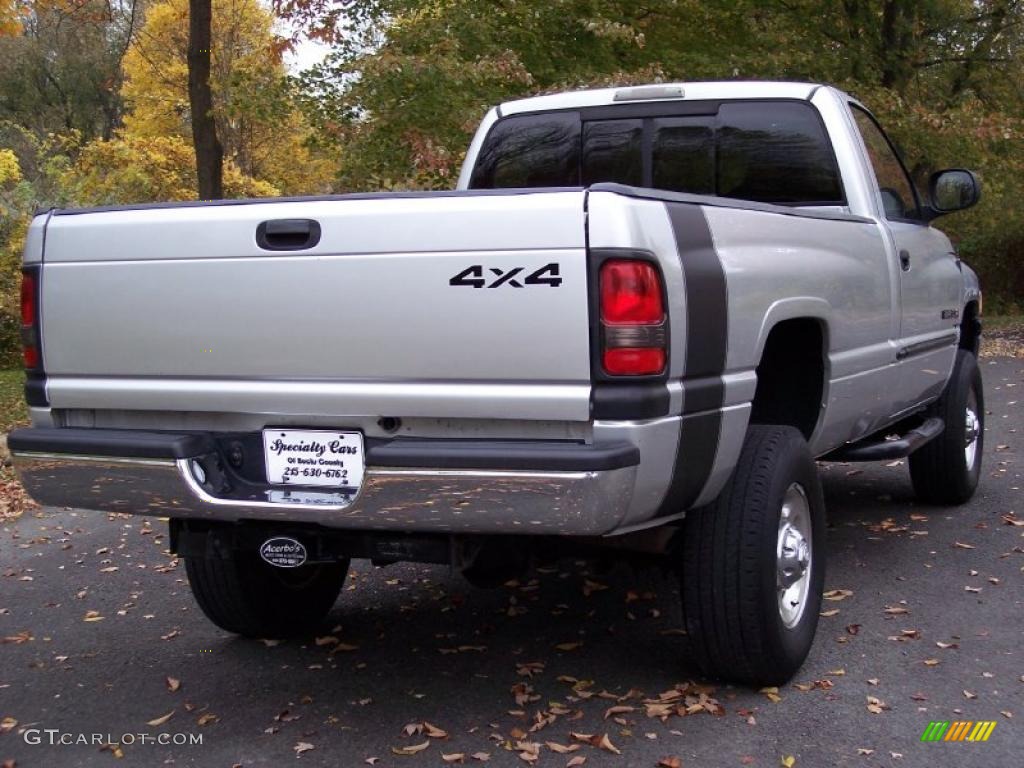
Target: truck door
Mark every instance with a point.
(929, 274)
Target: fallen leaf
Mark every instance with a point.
(453, 757)
(895, 610)
(772, 693)
(876, 706)
(156, 722)
(8, 724)
(789, 761)
(569, 646)
(931, 662)
(326, 640)
(969, 695)
(961, 545)
(561, 749)
(603, 742)
(575, 762)
(830, 613)
(173, 684)
(411, 750)
(302, 747)
(483, 757)
(670, 762)
(206, 719)
(619, 709)
(837, 594)
(434, 732)
(864, 751)
(114, 749)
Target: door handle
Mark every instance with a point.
(287, 234)
(905, 260)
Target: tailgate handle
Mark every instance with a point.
(288, 234)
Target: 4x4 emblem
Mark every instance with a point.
(473, 277)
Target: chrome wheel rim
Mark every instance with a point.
(793, 555)
(972, 430)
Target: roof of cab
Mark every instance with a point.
(598, 97)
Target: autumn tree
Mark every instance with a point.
(261, 129)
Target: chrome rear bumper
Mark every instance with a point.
(583, 502)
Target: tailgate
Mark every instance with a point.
(466, 304)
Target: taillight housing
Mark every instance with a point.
(31, 351)
(633, 323)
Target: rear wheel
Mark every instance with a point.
(753, 564)
(250, 597)
(947, 469)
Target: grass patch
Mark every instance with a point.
(13, 411)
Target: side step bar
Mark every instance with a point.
(874, 449)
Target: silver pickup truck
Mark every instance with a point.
(636, 324)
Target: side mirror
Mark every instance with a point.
(953, 190)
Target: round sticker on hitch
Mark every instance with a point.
(283, 552)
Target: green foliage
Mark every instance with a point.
(13, 411)
(410, 79)
(60, 64)
(15, 196)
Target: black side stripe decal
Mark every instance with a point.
(706, 322)
(706, 340)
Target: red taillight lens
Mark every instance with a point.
(633, 361)
(28, 299)
(633, 328)
(29, 324)
(630, 293)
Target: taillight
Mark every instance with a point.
(633, 338)
(30, 319)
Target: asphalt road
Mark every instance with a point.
(411, 644)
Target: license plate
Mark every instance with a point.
(314, 457)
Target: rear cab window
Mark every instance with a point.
(774, 151)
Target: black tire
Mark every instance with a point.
(939, 470)
(731, 606)
(249, 597)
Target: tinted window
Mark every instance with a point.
(530, 151)
(612, 152)
(684, 155)
(775, 153)
(767, 151)
(893, 181)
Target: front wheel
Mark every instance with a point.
(752, 564)
(947, 469)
